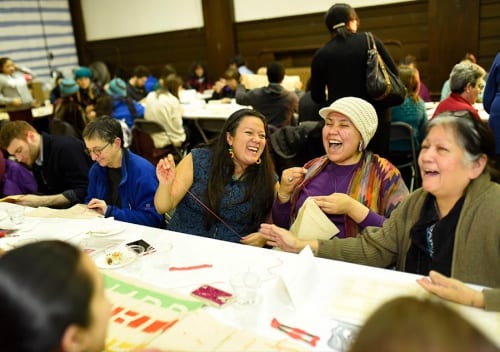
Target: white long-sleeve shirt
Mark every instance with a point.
(165, 109)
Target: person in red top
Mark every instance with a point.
(466, 83)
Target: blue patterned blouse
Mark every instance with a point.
(189, 216)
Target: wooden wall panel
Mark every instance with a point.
(178, 48)
(295, 39)
(437, 41)
(489, 32)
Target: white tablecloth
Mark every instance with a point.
(333, 291)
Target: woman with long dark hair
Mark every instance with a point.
(225, 189)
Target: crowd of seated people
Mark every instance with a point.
(229, 189)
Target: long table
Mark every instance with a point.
(319, 295)
(209, 117)
(431, 107)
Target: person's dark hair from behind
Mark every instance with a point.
(275, 72)
(105, 128)
(238, 60)
(104, 105)
(140, 71)
(409, 60)
(121, 72)
(172, 84)
(407, 74)
(43, 289)
(411, 324)
(337, 17)
(232, 73)
(258, 176)
(474, 136)
(471, 57)
(167, 70)
(100, 73)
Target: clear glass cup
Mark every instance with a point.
(161, 257)
(245, 287)
(135, 266)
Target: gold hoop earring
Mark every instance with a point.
(259, 160)
(231, 153)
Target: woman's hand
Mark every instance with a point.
(219, 85)
(335, 203)
(451, 289)
(341, 203)
(98, 205)
(165, 169)
(282, 238)
(254, 239)
(290, 178)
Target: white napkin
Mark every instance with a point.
(5, 223)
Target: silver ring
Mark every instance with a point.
(290, 179)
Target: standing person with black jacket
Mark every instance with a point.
(340, 68)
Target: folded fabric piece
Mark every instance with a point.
(312, 223)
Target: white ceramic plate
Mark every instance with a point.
(106, 229)
(128, 256)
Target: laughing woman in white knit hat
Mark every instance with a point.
(352, 186)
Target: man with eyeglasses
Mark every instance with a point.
(59, 164)
(121, 184)
(466, 84)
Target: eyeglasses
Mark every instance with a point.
(96, 151)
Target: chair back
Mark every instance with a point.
(213, 127)
(148, 126)
(402, 131)
(143, 145)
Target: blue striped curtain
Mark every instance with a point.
(38, 35)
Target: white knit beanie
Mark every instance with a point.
(360, 112)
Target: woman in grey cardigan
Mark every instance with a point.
(448, 228)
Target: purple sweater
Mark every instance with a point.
(17, 180)
(333, 178)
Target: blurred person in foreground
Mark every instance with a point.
(411, 324)
(56, 303)
(444, 229)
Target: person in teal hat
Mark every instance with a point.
(68, 110)
(88, 92)
(124, 107)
